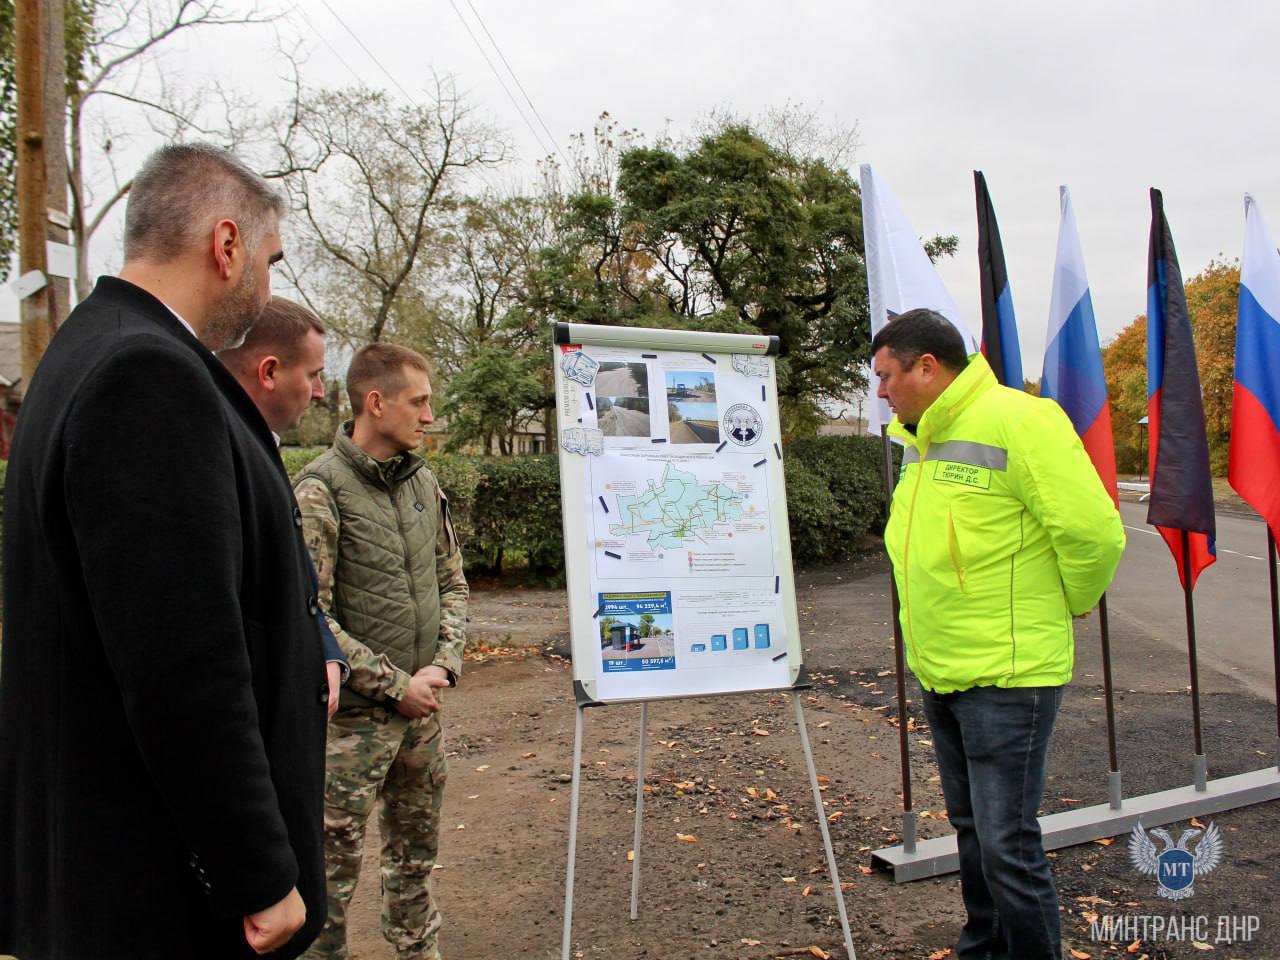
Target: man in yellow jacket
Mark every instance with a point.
(1000, 532)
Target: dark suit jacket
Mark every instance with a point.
(162, 689)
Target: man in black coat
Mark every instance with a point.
(162, 687)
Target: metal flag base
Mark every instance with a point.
(938, 856)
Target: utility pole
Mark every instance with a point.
(40, 72)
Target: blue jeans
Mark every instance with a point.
(991, 744)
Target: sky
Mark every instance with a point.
(1107, 98)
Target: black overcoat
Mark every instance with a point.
(162, 714)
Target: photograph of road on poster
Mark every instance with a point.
(622, 399)
(691, 406)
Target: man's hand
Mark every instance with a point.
(271, 928)
(420, 699)
(333, 670)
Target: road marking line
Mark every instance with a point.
(1234, 553)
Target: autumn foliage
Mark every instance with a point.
(1212, 297)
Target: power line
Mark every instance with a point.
(376, 61)
(298, 8)
(498, 76)
(551, 136)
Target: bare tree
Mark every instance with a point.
(375, 184)
(121, 63)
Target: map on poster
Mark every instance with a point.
(676, 541)
(679, 516)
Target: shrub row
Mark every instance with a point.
(507, 510)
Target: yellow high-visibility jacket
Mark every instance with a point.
(999, 532)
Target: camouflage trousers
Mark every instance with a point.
(378, 756)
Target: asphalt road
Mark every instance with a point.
(1232, 599)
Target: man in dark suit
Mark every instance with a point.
(280, 365)
(162, 689)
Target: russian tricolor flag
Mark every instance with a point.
(1181, 485)
(1073, 360)
(999, 332)
(1254, 470)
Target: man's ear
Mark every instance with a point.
(226, 246)
(928, 365)
(267, 369)
(373, 403)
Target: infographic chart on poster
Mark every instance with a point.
(676, 542)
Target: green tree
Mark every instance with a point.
(646, 624)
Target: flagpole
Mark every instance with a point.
(1275, 630)
(900, 666)
(1113, 776)
(1200, 767)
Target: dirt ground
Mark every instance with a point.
(732, 857)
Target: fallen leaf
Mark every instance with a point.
(940, 954)
(769, 794)
(1200, 945)
(760, 732)
(1134, 947)
(788, 879)
(1196, 823)
(631, 855)
(806, 891)
(1105, 841)
(462, 826)
(753, 793)
(824, 779)
(482, 768)
(1079, 954)
(866, 871)
(684, 785)
(1099, 901)
(474, 796)
(835, 816)
(748, 942)
(824, 724)
(819, 953)
(686, 838)
(528, 756)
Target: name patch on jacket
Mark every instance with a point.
(965, 473)
(966, 462)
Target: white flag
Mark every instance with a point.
(900, 276)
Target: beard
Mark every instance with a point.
(230, 320)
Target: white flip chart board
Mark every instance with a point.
(677, 548)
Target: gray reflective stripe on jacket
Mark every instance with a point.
(968, 452)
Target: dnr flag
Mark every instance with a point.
(1181, 488)
(1255, 404)
(999, 333)
(1072, 360)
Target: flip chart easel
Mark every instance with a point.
(677, 546)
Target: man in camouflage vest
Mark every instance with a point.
(390, 572)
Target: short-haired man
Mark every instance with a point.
(1000, 532)
(161, 732)
(280, 365)
(391, 579)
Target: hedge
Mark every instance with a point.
(506, 510)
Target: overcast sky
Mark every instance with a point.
(1108, 98)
